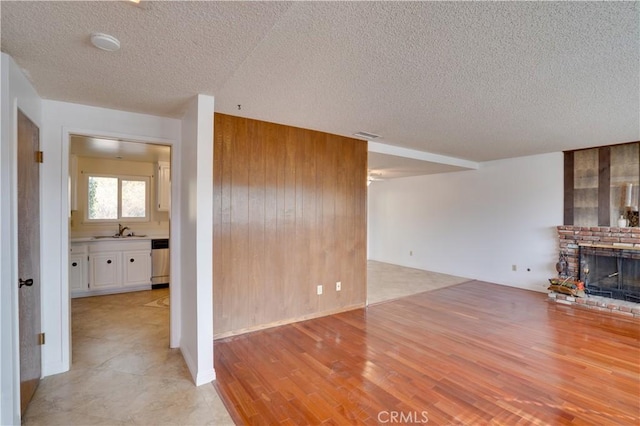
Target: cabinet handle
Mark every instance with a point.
(131, 260)
(109, 261)
(74, 264)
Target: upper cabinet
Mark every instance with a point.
(73, 183)
(163, 186)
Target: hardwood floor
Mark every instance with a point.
(474, 353)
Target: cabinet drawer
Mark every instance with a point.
(78, 249)
(111, 246)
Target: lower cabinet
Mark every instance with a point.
(137, 267)
(78, 273)
(105, 270)
(104, 267)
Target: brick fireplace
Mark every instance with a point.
(571, 237)
(623, 244)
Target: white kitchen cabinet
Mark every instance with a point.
(78, 273)
(163, 186)
(78, 268)
(105, 270)
(109, 266)
(73, 183)
(136, 267)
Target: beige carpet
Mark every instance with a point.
(385, 282)
(388, 282)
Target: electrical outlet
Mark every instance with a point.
(514, 268)
(319, 290)
(338, 285)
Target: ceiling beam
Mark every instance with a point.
(381, 148)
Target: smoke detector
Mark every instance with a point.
(105, 42)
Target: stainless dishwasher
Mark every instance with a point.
(160, 263)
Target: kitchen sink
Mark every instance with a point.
(102, 237)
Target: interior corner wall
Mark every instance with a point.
(474, 224)
(15, 93)
(196, 244)
(289, 215)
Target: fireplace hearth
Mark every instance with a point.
(607, 251)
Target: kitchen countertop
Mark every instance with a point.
(122, 239)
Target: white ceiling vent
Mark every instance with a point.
(366, 135)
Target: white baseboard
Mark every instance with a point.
(199, 377)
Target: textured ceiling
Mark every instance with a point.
(85, 146)
(472, 80)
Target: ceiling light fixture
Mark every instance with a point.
(105, 42)
(373, 177)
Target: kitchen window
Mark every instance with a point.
(114, 198)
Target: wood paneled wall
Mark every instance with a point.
(289, 215)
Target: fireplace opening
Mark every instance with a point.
(610, 272)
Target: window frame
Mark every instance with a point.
(120, 218)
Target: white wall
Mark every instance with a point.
(474, 224)
(16, 92)
(196, 188)
(59, 120)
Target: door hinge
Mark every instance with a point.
(41, 338)
(39, 157)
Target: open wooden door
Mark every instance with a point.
(29, 159)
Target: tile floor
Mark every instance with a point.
(123, 371)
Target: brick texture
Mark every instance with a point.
(569, 237)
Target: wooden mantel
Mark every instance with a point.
(609, 246)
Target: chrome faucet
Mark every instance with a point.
(121, 229)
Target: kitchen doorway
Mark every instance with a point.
(120, 205)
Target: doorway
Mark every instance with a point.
(119, 194)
